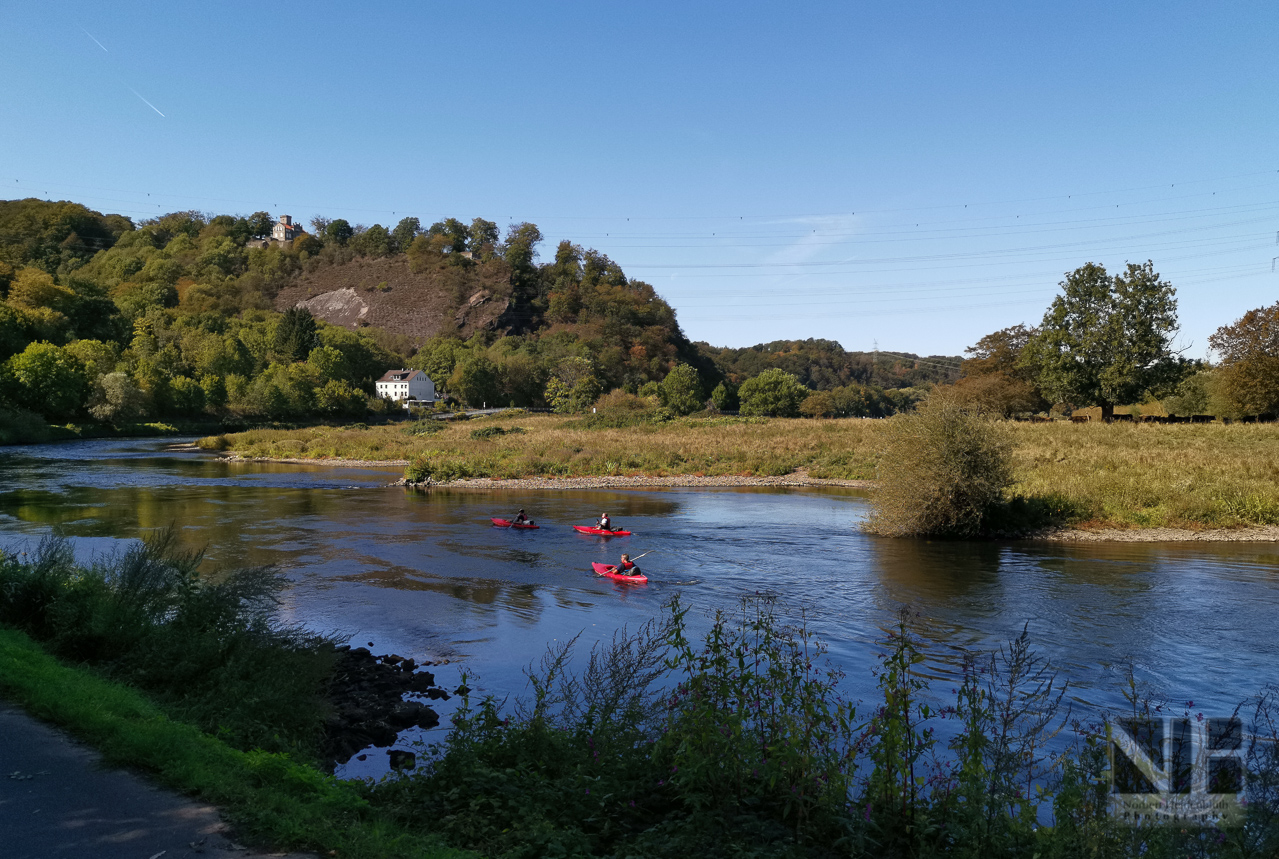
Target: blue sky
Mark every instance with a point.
(906, 175)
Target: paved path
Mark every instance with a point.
(58, 802)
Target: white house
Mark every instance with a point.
(403, 385)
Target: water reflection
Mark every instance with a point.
(425, 574)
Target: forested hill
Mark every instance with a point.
(824, 365)
(183, 315)
(196, 315)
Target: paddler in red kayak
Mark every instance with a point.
(605, 523)
(521, 519)
(627, 568)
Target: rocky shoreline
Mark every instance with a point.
(636, 482)
(367, 696)
(1249, 534)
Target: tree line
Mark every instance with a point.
(1108, 340)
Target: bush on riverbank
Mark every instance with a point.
(943, 469)
(206, 647)
(742, 744)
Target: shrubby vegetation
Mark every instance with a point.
(943, 471)
(742, 743)
(208, 648)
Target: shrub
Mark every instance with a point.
(428, 426)
(943, 469)
(495, 432)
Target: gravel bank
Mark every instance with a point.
(640, 482)
(1253, 534)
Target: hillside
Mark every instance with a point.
(385, 292)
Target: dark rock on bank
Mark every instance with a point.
(366, 693)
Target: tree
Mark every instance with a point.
(724, 397)
(1106, 340)
(681, 390)
(454, 233)
(339, 231)
(48, 379)
(773, 392)
(116, 400)
(475, 381)
(1248, 379)
(819, 404)
(1194, 395)
(296, 335)
(373, 242)
(260, 224)
(574, 386)
(483, 236)
(33, 288)
(405, 232)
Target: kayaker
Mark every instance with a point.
(605, 523)
(521, 519)
(627, 567)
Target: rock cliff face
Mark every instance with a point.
(440, 298)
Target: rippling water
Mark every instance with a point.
(424, 574)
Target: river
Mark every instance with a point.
(424, 574)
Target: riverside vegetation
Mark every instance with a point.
(737, 743)
(1094, 475)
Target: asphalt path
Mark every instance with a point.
(57, 801)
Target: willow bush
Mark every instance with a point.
(943, 470)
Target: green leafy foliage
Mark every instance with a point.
(774, 393)
(1106, 340)
(207, 648)
(1248, 379)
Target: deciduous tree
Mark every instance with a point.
(773, 392)
(681, 390)
(1248, 379)
(1106, 340)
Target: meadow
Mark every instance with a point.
(1096, 475)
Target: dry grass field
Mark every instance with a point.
(1116, 475)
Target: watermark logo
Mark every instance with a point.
(1165, 769)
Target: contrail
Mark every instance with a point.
(95, 41)
(147, 103)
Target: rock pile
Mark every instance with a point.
(367, 695)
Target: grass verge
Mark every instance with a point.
(270, 798)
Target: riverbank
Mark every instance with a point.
(1192, 478)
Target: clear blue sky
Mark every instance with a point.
(914, 175)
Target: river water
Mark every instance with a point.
(424, 574)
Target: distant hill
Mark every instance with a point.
(824, 364)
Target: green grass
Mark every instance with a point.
(271, 799)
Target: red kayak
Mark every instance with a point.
(507, 523)
(610, 571)
(591, 529)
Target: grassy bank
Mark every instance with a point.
(271, 799)
(1115, 476)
